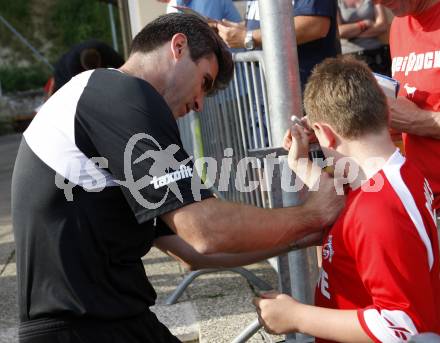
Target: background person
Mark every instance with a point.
(315, 29)
(380, 278)
(415, 52)
(360, 24)
(217, 10)
(79, 267)
(91, 54)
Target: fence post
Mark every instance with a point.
(284, 94)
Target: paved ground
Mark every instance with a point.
(215, 308)
(8, 303)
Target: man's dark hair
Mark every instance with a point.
(202, 41)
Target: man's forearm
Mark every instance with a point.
(180, 250)
(374, 31)
(310, 28)
(408, 117)
(349, 30)
(307, 29)
(427, 123)
(213, 226)
(176, 247)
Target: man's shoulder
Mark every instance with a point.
(111, 95)
(114, 83)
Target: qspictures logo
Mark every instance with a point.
(162, 172)
(151, 172)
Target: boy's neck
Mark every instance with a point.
(371, 153)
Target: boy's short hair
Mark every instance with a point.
(344, 93)
(202, 41)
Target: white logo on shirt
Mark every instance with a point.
(416, 62)
(323, 284)
(183, 172)
(327, 249)
(429, 195)
(410, 90)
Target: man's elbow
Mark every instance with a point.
(322, 29)
(207, 246)
(190, 265)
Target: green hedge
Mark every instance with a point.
(14, 78)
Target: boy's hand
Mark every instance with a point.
(299, 142)
(296, 142)
(275, 312)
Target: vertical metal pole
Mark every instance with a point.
(281, 65)
(113, 27)
(284, 93)
(125, 26)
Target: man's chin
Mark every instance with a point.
(183, 114)
(180, 114)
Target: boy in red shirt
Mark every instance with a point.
(380, 276)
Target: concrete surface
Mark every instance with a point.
(214, 308)
(8, 284)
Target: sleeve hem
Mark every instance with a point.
(146, 214)
(360, 315)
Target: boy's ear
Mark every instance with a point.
(326, 135)
(179, 43)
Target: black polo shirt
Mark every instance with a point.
(98, 165)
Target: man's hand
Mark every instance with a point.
(232, 33)
(325, 203)
(213, 24)
(276, 312)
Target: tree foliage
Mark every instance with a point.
(52, 27)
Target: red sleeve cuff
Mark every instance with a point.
(360, 315)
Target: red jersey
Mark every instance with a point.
(381, 257)
(415, 50)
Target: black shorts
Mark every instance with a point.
(141, 329)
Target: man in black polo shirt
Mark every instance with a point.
(101, 172)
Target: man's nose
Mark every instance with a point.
(198, 103)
